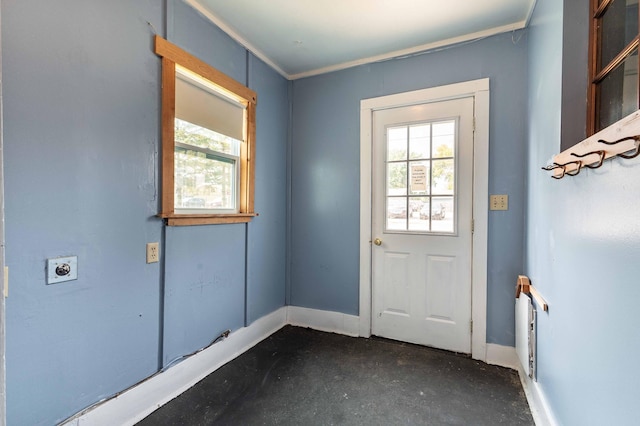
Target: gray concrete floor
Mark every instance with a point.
(300, 376)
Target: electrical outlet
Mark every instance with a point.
(499, 202)
(61, 269)
(153, 254)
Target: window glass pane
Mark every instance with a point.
(204, 181)
(617, 94)
(443, 177)
(419, 219)
(442, 214)
(195, 135)
(397, 213)
(419, 137)
(397, 178)
(443, 139)
(397, 143)
(411, 182)
(419, 177)
(444, 128)
(618, 27)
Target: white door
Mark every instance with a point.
(422, 224)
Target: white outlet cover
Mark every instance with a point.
(53, 274)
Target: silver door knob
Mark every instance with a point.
(377, 241)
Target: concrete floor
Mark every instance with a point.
(303, 377)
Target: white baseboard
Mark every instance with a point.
(504, 356)
(334, 322)
(140, 401)
(540, 409)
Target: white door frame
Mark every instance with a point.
(479, 90)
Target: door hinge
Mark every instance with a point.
(471, 326)
(473, 226)
(474, 124)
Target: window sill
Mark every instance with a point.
(205, 219)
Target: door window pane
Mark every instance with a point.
(420, 187)
(444, 139)
(442, 214)
(397, 143)
(397, 178)
(419, 137)
(443, 175)
(419, 218)
(397, 213)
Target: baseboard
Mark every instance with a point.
(540, 409)
(504, 356)
(333, 322)
(140, 401)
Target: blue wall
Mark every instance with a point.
(81, 138)
(326, 175)
(583, 237)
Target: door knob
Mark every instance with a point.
(377, 241)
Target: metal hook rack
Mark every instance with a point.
(605, 144)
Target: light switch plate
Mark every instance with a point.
(61, 269)
(499, 202)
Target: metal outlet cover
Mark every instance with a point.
(61, 269)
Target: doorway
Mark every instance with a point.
(424, 216)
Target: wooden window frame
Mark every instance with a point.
(596, 12)
(172, 55)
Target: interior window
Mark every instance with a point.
(613, 63)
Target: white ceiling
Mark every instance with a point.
(300, 38)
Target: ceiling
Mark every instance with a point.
(300, 38)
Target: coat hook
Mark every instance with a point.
(627, 156)
(575, 172)
(635, 138)
(552, 167)
(556, 166)
(634, 155)
(601, 153)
